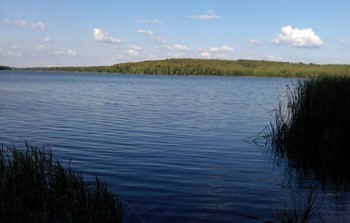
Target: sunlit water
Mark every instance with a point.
(176, 148)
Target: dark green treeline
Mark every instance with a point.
(4, 67)
(216, 67)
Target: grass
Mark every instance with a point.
(300, 209)
(312, 125)
(35, 187)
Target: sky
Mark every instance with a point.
(105, 32)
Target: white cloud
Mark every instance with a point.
(11, 53)
(134, 47)
(71, 52)
(47, 39)
(220, 56)
(206, 54)
(177, 47)
(39, 25)
(339, 62)
(275, 58)
(177, 55)
(39, 47)
(298, 38)
(146, 32)
(221, 49)
(160, 40)
(345, 43)
(58, 52)
(132, 53)
(208, 16)
(101, 36)
(216, 52)
(25, 24)
(180, 47)
(149, 33)
(134, 50)
(253, 42)
(158, 21)
(68, 52)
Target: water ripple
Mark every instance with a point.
(173, 146)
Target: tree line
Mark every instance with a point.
(5, 67)
(259, 68)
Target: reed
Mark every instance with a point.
(312, 125)
(35, 187)
(300, 209)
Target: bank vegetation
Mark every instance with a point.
(312, 126)
(258, 68)
(35, 187)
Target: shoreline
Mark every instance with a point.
(202, 67)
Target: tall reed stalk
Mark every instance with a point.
(35, 187)
(312, 125)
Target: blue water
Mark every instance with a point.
(176, 148)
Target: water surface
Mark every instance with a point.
(176, 148)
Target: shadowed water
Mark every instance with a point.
(176, 148)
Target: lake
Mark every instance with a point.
(176, 148)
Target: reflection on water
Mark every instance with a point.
(174, 147)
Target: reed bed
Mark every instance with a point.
(35, 187)
(312, 125)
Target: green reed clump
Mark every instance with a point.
(35, 187)
(312, 125)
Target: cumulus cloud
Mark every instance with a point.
(134, 50)
(39, 47)
(253, 42)
(68, 52)
(25, 24)
(71, 52)
(145, 32)
(102, 36)
(210, 15)
(47, 39)
(216, 52)
(59, 52)
(160, 40)
(11, 53)
(180, 47)
(221, 49)
(298, 38)
(206, 54)
(158, 21)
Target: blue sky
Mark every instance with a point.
(105, 32)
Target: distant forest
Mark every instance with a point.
(5, 67)
(256, 68)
